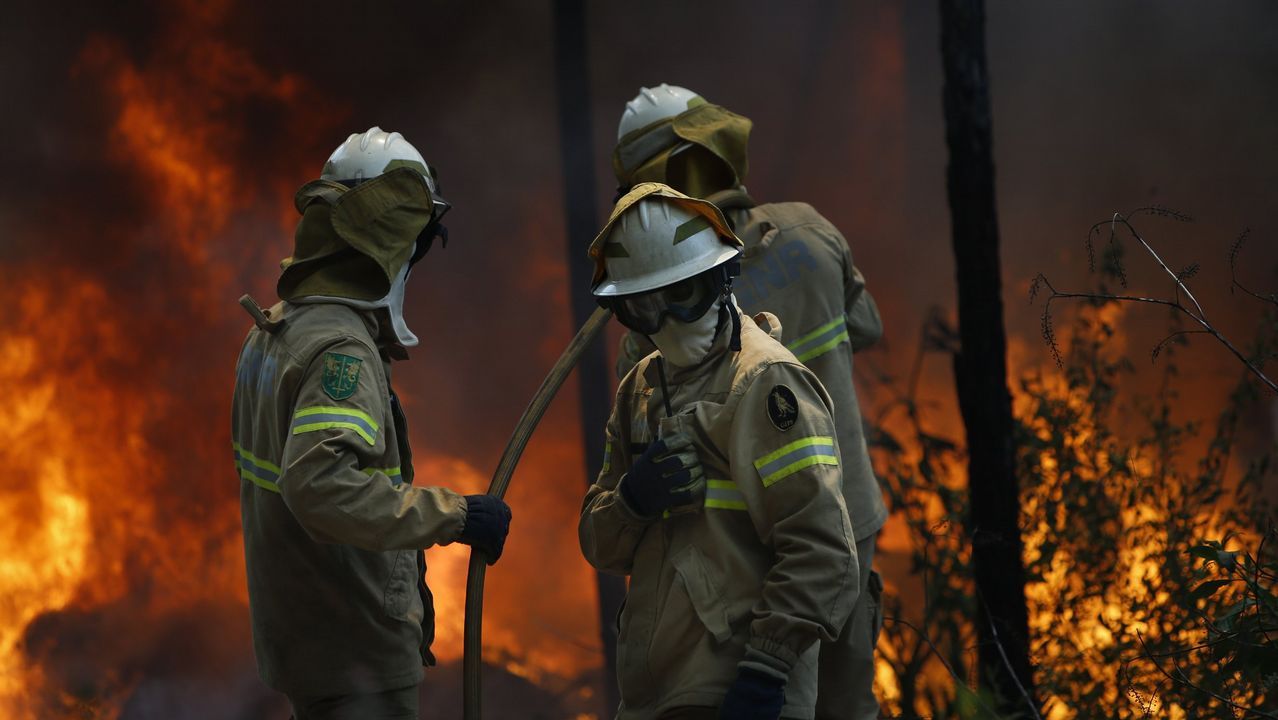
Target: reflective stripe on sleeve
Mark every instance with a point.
(261, 473)
(724, 495)
(395, 474)
(323, 417)
(820, 341)
(802, 453)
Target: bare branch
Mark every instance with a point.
(1183, 680)
(939, 656)
(1202, 317)
(1161, 211)
(1029, 702)
(1049, 334)
(1223, 637)
(1196, 313)
(1234, 250)
(1207, 327)
(1091, 249)
(1171, 338)
(1035, 285)
(1255, 584)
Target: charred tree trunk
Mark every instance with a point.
(980, 366)
(576, 144)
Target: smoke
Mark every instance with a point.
(153, 149)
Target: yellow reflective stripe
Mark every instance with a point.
(724, 495)
(826, 338)
(791, 458)
(818, 332)
(255, 460)
(331, 410)
(395, 474)
(312, 427)
(796, 445)
(823, 348)
(264, 484)
(255, 470)
(794, 467)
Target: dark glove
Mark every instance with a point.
(487, 522)
(753, 695)
(668, 476)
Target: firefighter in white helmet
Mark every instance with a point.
(797, 265)
(333, 525)
(721, 493)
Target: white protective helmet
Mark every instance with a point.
(368, 154)
(653, 104)
(665, 255)
(364, 156)
(657, 241)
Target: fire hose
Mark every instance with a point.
(473, 662)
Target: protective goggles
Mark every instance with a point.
(435, 229)
(684, 301)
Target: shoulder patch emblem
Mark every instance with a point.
(783, 407)
(341, 375)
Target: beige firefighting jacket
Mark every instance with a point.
(333, 526)
(797, 266)
(766, 569)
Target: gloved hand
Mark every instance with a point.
(754, 695)
(487, 522)
(668, 476)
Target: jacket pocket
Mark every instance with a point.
(401, 586)
(703, 592)
(633, 678)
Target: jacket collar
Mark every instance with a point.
(719, 352)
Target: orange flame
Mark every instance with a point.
(119, 488)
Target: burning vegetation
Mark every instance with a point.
(122, 578)
(122, 591)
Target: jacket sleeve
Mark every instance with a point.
(330, 479)
(865, 327)
(609, 530)
(785, 461)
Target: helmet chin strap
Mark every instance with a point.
(729, 306)
(728, 303)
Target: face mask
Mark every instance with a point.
(687, 344)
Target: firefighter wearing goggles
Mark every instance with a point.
(721, 492)
(796, 264)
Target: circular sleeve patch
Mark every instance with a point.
(783, 408)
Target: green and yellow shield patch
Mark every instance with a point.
(341, 375)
